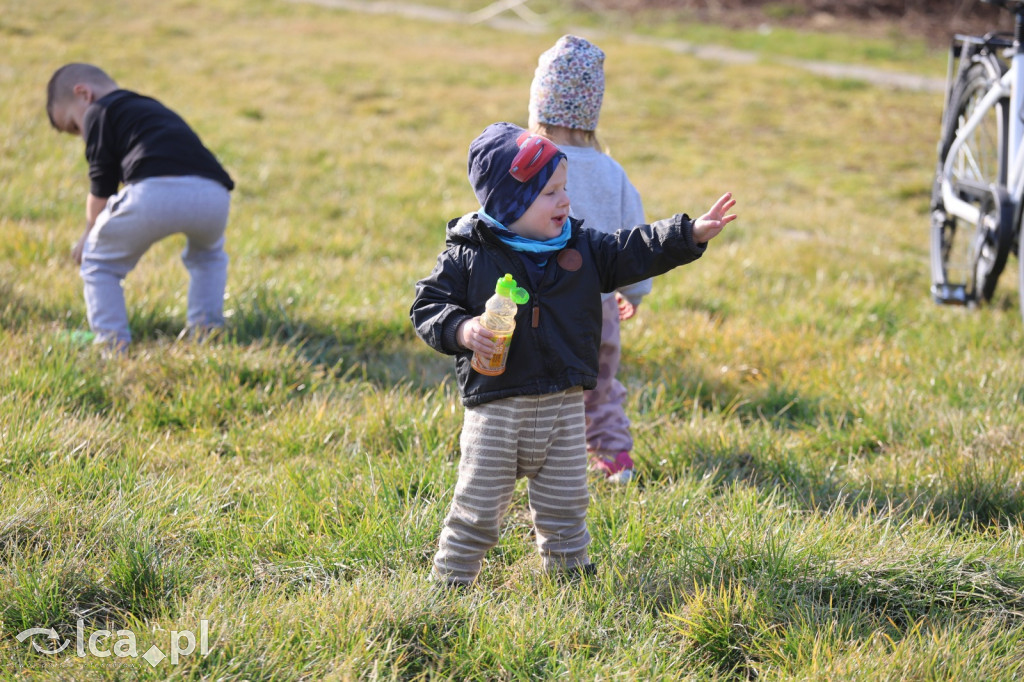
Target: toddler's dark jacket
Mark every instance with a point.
(555, 343)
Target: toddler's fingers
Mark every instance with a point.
(723, 200)
(484, 347)
(483, 338)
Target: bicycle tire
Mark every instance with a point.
(967, 260)
(1020, 272)
(994, 240)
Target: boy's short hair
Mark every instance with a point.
(67, 77)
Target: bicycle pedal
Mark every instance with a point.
(951, 294)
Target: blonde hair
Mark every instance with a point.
(573, 137)
(64, 79)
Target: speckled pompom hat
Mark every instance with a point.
(568, 85)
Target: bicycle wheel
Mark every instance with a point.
(967, 259)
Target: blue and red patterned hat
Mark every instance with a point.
(508, 168)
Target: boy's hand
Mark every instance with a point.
(76, 250)
(626, 309)
(473, 336)
(711, 223)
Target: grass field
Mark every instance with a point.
(831, 465)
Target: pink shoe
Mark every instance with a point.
(618, 470)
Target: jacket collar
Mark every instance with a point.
(472, 229)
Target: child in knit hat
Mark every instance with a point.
(565, 103)
(528, 422)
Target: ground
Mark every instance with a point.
(936, 20)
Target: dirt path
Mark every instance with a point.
(510, 21)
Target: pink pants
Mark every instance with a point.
(607, 425)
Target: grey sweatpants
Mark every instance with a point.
(541, 438)
(140, 215)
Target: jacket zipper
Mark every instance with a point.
(521, 276)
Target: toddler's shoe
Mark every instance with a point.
(577, 574)
(201, 333)
(77, 337)
(442, 585)
(618, 469)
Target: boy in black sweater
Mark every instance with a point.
(150, 177)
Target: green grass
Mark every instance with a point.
(831, 465)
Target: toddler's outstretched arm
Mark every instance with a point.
(707, 227)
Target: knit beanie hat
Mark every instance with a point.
(568, 85)
(491, 154)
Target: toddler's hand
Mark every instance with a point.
(473, 336)
(711, 223)
(626, 309)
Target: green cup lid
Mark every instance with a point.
(509, 288)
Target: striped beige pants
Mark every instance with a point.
(541, 438)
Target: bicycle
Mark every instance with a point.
(979, 181)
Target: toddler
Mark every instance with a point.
(565, 103)
(529, 421)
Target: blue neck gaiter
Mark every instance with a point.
(529, 246)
